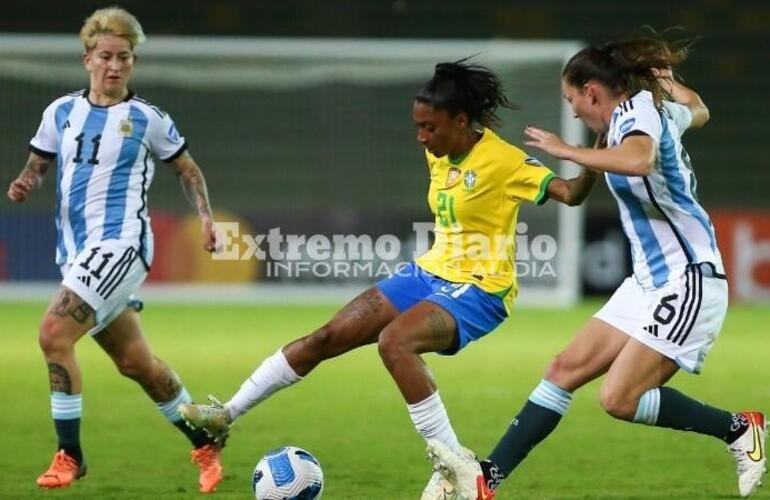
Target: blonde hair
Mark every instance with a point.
(113, 21)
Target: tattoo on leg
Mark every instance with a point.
(59, 379)
(106, 341)
(368, 303)
(164, 386)
(67, 303)
(440, 330)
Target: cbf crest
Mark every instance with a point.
(469, 179)
(126, 128)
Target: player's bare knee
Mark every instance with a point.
(617, 404)
(132, 368)
(563, 373)
(391, 347)
(53, 338)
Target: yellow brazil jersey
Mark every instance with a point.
(476, 200)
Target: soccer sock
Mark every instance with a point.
(536, 420)
(66, 410)
(169, 410)
(272, 375)
(669, 408)
(432, 422)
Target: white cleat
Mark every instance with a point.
(213, 418)
(749, 453)
(438, 488)
(461, 470)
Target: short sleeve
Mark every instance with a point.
(679, 114)
(529, 181)
(638, 117)
(45, 142)
(164, 139)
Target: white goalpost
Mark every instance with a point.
(323, 83)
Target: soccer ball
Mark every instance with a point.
(288, 473)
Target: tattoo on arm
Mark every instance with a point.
(67, 303)
(35, 169)
(193, 184)
(59, 379)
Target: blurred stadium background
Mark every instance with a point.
(310, 145)
(290, 146)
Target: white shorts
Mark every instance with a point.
(680, 320)
(105, 275)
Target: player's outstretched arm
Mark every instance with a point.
(574, 191)
(635, 156)
(684, 95)
(30, 177)
(194, 187)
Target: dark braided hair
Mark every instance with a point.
(466, 87)
(627, 66)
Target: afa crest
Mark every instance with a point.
(126, 128)
(470, 179)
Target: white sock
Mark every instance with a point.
(271, 376)
(431, 421)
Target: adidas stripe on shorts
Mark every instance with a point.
(105, 275)
(680, 320)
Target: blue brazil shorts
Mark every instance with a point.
(475, 311)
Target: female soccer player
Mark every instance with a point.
(461, 289)
(669, 313)
(100, 140)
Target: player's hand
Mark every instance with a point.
(211, 243)
(663, 72)
(546, 141)
(19, 189)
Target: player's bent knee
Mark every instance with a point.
(390, 346)
(132, 369)
(563, 373)
(616, 404)
(53, 336)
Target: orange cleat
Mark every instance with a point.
(64, 470)
(207, 458)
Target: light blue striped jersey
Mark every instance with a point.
(666, 226)
(104, 168)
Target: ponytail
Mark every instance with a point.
(465, 87)
(627, 66)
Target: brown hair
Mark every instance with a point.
(627, 66)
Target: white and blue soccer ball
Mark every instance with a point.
(289, 473)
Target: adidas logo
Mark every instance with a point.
(652, 329)
(85, 279)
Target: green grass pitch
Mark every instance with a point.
(351, 416)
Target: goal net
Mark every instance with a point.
(307, 137)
